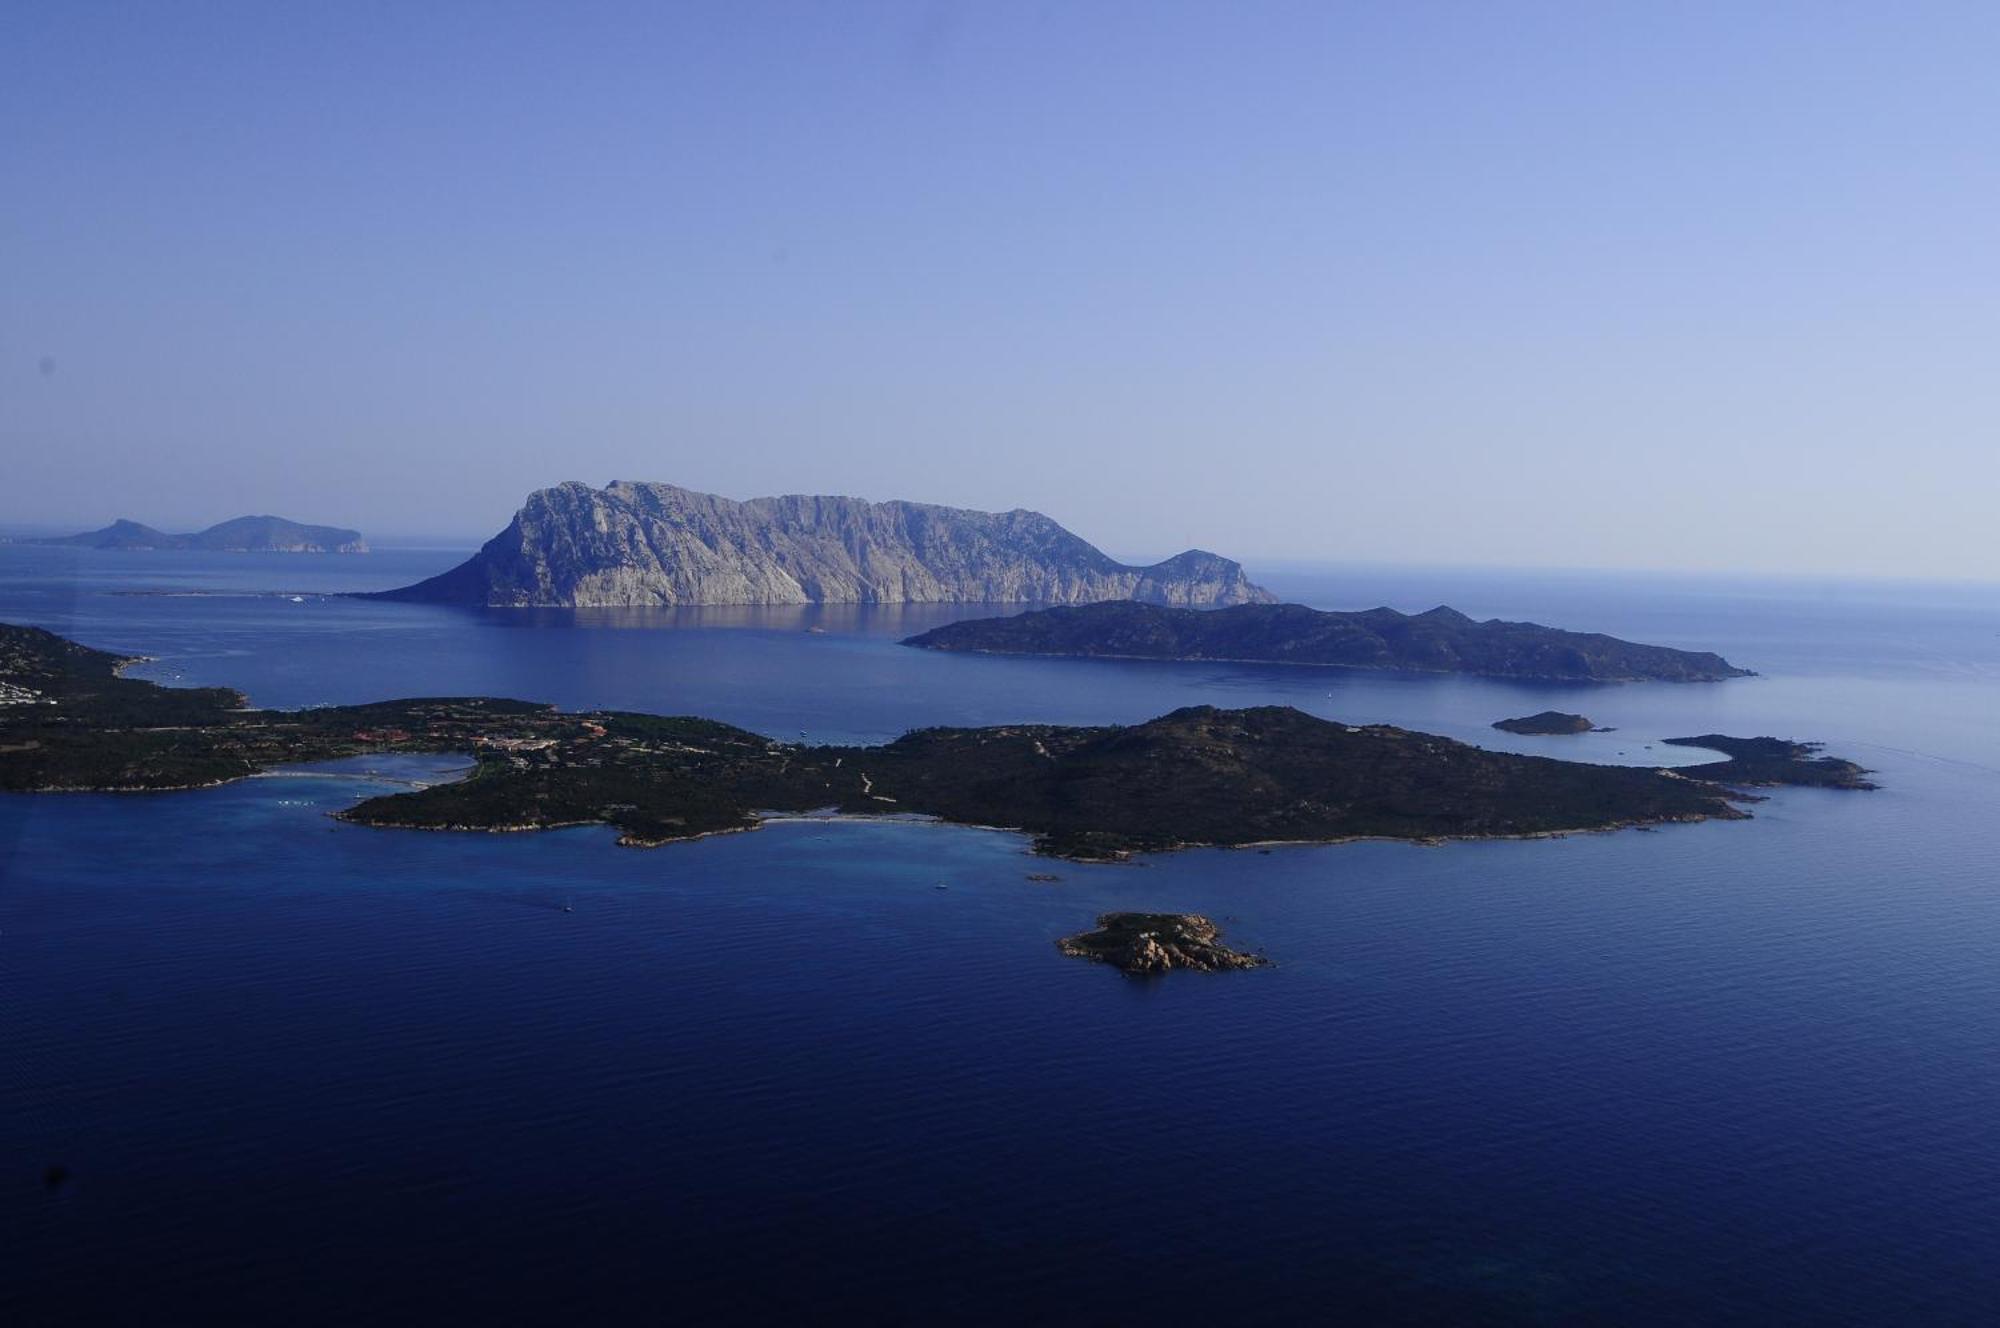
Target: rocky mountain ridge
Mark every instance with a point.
(631, 544)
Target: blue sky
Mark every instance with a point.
(1602, 284)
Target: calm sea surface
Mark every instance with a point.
(306, 1072)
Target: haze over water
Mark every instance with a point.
(1735, 1072)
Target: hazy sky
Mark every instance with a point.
(1653, 284)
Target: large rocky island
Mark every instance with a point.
(244, 534)
(633, 545)
(70, 720)
(1440, 641)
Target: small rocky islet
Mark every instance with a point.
(1149, 944)
(1549, 723)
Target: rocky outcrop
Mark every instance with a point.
(656, 544)
(1148, 944)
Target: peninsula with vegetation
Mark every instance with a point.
(1440, 641)
(70, 720)
(244, 534)
(640, 545)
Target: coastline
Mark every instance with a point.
(1197, 777)
(763, 820)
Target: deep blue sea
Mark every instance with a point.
(304, 1072)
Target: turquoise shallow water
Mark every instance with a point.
(1739, 1073)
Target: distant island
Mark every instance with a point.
(628, 545)
(1440, 641)
(244, 534)
(1148, 944)
(1546, 723)
(1197, 776)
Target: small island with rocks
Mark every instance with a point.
(1548, 723)
(1148, 944)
